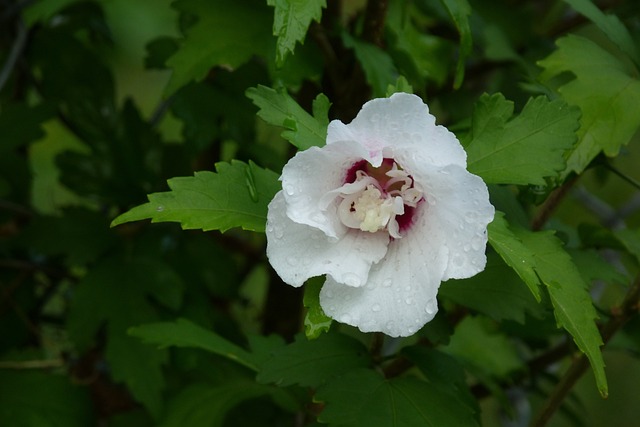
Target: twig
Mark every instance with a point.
(374, 21)
(552, 202)
(31, 364)
(620, 316)
(16, 50)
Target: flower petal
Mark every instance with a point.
(311, 174)
(400, 295)
(400, 123)
(298, 251)
(457, 202)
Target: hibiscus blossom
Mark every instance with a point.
(387, 210)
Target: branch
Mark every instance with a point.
(552, 202)
(16, 50)
(374, 21)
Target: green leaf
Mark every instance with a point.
(364, 398)
(207, 405)
(460, 12)
(279, 109)
(67, 235)
(525, 149)
(117, 292)
(311, 363)
(513, 252)
(20, 124)
(572, 304)
(490, 353)
(377, 64)
(401, 85)
(184, 333)
(606, 91)
(227, 33)
(315, 321)
(497, 292)
(630, 239)
(291, 21)
(610, 25)
(236, 196)
(444, 371)
(37, 399)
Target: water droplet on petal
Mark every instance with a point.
(278, 232)
(292, 261)
(351, 279)
(458, 260)
(431, 307)
(387, 282)
(345, 318)
(408, 301)
(289, 189)
(376, 308)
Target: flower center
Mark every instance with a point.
(375, 199)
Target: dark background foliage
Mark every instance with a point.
(102, 102)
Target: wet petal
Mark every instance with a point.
(298, 251)
(400, 295)
(458, 212)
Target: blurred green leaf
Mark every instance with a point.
(38, 399)
(227, 33)
(236, 195)
(158, 51)
(606, 91)
(184, 333)
(459, 10)
(363, 398)
(206, 405)
(443, 371)
(279, 109)
(610, 25)
(20, 124)
(116, 292)
(315, 321)
(291, 21)
(571, 301)
(376, 63)
(67, 235)
(311, 363)
(497, 292)
(630, 239)
(490, 352)
(523, 150)
(513, 252)
(401, 85)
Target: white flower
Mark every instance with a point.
(387, 210)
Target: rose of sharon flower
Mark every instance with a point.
(387, 210)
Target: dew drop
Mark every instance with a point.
(390, 324)
(387, 282)
(278, 232)
(160, 208)
(289, 189)
(411, 330)
(431, 307)
(408, 301)
(345, 318)
(407, 288)
(476, 243)
(376, 308)
(351, 279)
